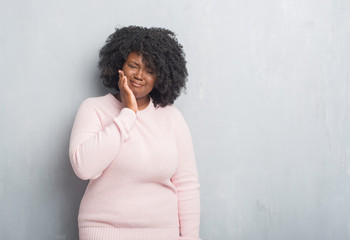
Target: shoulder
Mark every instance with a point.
(171, 111)
(174, 116)
(101, 107)
(94, 100)
(97, 102)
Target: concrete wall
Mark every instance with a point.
(267, 103)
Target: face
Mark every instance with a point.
(141, 77)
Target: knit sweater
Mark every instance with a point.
(143, 181)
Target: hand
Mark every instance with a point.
(126, 94)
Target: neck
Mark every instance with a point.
(142, 103)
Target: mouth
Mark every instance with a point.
(135, 84)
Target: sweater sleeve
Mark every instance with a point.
(187, 184)
(92, 148)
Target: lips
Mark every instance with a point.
(135, 84)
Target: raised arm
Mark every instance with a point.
(92, 148)
(187, 184)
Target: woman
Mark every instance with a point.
(135, 146)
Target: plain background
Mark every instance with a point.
(267, 103)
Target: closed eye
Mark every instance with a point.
(150, 70)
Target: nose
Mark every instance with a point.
(138, 74)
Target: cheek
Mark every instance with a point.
(128, 72)
(153, 82)
(128, 75)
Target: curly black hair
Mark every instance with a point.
(160, 50)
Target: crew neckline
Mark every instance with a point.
(150, 104)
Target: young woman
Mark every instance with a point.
(135, 146)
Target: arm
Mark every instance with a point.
(187, 184)
(92, 148)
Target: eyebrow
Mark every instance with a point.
(147, 66)
(134, 62)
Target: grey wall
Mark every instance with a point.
(267, 102)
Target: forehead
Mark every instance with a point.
(135, 56)
(139, 59)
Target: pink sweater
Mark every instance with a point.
(142, 171)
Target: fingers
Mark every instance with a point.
(127, 95)
(123, 82)
(121, 79)
(124, 88)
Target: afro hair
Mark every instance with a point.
(160, 50)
